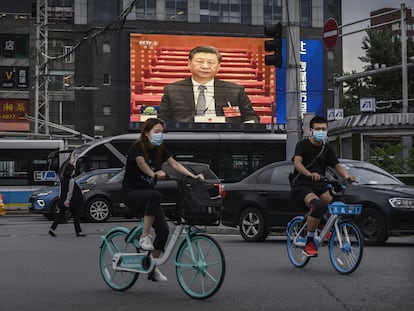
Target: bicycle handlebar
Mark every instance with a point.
(336, 187)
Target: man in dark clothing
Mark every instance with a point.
(312, 156)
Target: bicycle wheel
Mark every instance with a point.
(200, 266)
(115, 243)
(295, 242)
(346, 248)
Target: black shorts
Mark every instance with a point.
(301, 189)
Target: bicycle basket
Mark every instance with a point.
(340, 208)
(195, 206)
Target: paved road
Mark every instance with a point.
(48, 274)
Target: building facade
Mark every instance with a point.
(89, 64)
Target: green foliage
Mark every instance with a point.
(410, 161)
(380, 49)
(389, 157)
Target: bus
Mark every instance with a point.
(24, 167)
(231, 155)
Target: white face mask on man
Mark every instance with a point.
(320, 135)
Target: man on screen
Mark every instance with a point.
(203, 97)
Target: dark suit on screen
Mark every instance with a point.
(178, 104)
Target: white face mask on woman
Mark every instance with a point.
(157, 139)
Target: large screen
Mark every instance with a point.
(158, 60)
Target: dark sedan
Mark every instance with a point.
(261, 203)
(106, 200)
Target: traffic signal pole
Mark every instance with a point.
(293, 100)
(293, 116)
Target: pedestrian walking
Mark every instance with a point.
(70, 198)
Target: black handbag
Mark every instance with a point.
(195, 205)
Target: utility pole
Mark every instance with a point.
(404, 60)
(293, 117)
(41, 70)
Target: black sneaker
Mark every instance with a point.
(52, 233)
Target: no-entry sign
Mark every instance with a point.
(330, 33)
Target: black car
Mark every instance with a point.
(261, 203)
(106, 200)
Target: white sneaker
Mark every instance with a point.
(156, 275)
(145, 243)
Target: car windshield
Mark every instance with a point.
(369, 174)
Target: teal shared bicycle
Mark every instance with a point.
(199, 260)
(346, 244)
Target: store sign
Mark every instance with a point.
(14, 110)
(14, 77)
(14, 46)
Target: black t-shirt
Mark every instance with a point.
(135, 178)
(308, 152)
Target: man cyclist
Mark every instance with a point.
(312, 156)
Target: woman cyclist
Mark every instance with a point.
(143, 169)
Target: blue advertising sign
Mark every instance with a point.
(311, 80)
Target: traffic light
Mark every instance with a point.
(274, 45)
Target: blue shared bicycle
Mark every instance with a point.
(345, 243)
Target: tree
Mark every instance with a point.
(389, 157)
(381, 49)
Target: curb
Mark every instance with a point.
(223, 230)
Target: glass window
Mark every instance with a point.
(70, 57)
(100, 157)
(103, 10)
(55, 83)
(264, 178)
(280, 175)
(146, 9)
(225, 11)
(176, 10)
(107, 110)
(100, 178)
(306, 13)
(106, 47)
(107, 79)
(272, 11)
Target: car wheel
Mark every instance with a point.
(252, 225)
(98, 210)
(371, 223)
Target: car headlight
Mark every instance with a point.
(401, 202)
(47, 192)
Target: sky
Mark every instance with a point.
(356, 10)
